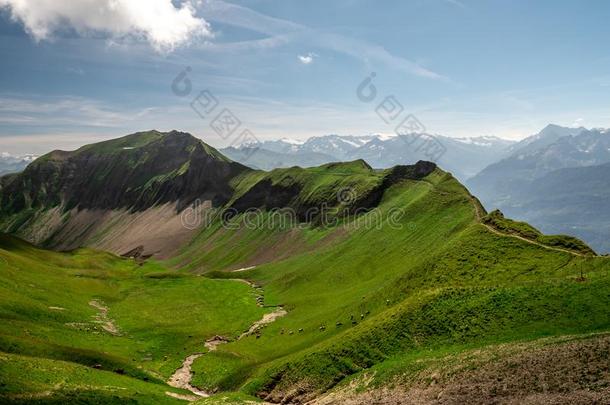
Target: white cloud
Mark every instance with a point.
(41, 112)
(161, 23)
(307, 59)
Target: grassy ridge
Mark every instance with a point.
(497, 220)
(440, 279)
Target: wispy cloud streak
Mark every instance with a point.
(281, 31)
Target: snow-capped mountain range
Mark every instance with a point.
(463, 156)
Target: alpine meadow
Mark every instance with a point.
(297, 230)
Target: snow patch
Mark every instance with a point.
(292, 141)
(385, 137)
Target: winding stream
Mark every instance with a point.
(183, 376)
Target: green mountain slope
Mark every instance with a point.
(65, 200)
(436, 278)
(135, 171)
(360, 274)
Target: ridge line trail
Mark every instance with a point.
(479, 219)
(183, 376)
(510, 235)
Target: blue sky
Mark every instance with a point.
(291, 68)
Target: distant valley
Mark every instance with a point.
(554, 180)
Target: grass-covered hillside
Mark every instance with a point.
(437, 280)
(68, 199)
(57, 345)
(496, 220)
(305, 282)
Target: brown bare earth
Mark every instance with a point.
(158, 230)
(573, 371)
(212, 343)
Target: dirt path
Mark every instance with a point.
(479, 217)
(267, 318)
(102, 318)
(183, 376)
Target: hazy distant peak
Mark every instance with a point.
(485, 140)
(292, 141)
(547, 136)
